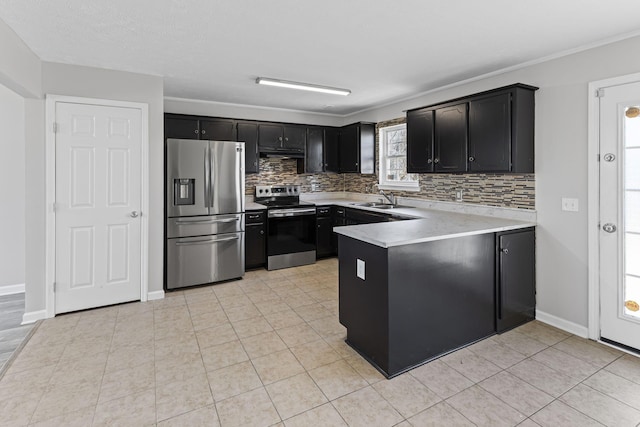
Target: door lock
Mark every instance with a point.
(609, 157)
(134, 214)
(609, 228)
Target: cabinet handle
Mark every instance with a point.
(505, 251)
(196, 131)
(286, 139)
(472, 159)
(261, 231)
(204, 131)
(356, 164)
(436, 160)
(429, 161)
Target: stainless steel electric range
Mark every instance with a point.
(291, 226)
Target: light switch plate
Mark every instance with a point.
(360, 268)
(570, 205)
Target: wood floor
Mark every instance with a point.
(12, 333)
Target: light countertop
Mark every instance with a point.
(429, 225)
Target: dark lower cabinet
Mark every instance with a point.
(338, 219)
(255, 239)
(324, 232)
(515, 281)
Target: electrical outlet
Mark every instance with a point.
(314, 187)
(360, 268)
(570, 205)
(458, 195)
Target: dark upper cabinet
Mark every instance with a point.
(182, 128)
(357, 148)
(270, 136)
(516, 278)
(278, 137)
(313, 159)
(218, 130)
(490, 133)
(247, 132)
(331, 149)
(295, 137)
(450, 139)
(420, 141)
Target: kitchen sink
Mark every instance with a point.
(380, 205)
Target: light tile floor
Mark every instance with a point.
(268, 350)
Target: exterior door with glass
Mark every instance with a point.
(620, 215)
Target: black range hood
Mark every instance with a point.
(282, 153)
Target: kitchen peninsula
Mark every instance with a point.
(411, 291)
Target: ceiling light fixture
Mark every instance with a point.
(302, 86)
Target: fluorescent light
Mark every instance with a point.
(302, 86)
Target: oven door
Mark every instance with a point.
(291, 237)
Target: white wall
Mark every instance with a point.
(12, 188)
(561, 163)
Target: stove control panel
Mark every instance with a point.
(277, 190)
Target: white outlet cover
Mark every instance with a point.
(360, 268)
(570, 204)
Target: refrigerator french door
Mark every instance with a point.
(205, 212)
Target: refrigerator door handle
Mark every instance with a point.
(239, 157)
(207, 176)
(212, 183)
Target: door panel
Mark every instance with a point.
(98, 186)
(619, 214)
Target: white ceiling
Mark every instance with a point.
(382, 50)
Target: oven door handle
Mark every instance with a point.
(206, 242)
(281, 213)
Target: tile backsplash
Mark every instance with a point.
(504, 190)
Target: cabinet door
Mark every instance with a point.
(490, 134)
(218, 130)
(331, 149)
(450, 145)
(323, 237)
(338, 219)
(181, 128)
(295, 137)
(516, 283)
(349, 149)
(313, 160)
(420, 141)
(255, 239)
(270, 136)
(248, 133)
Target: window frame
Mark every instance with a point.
(383, 183)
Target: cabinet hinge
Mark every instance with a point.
(55, 127)
(598, 156)
(54, 286)
(600, 93)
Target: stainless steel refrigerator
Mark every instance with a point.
(205, 212)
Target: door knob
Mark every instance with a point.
(609, 228)
(134, 214)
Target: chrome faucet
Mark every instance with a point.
(390, 197)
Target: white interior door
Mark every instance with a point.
(620, 214)
(97, 204)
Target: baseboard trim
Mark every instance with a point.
(565, 325)
(155, 295)
(12, 289)
(33, 316)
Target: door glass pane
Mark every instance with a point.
(632, 212)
